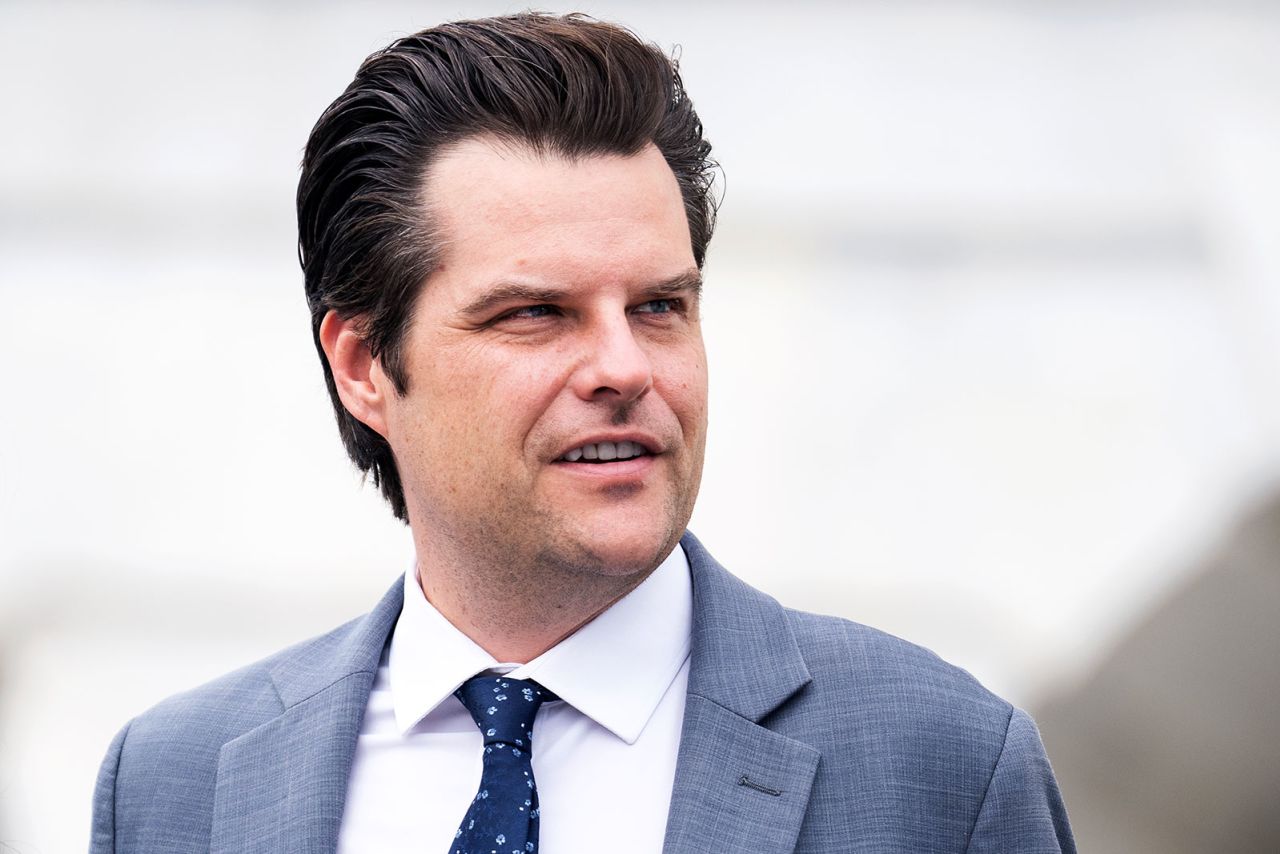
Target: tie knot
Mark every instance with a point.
(504, 708)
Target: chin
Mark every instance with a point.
(618, 551)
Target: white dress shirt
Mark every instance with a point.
(604, 759)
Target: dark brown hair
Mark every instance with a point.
(569, 86)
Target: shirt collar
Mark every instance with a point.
(640, 643)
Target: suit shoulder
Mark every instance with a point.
(164, 763)
(211, 714)
(888, 671)
(159, 779)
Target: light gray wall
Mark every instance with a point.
(993, 318)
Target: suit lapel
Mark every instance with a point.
(282, 786)
(739, 786)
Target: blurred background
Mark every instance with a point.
(993, 315)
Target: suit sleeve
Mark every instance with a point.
(102, 839)
(1022, 810)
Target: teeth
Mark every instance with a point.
(606, 451)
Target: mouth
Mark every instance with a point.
(605, 452)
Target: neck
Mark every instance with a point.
(515, 611)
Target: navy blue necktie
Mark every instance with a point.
(503, 818)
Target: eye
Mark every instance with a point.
(660, 306)
(529, 312)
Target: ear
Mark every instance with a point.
(362, 386)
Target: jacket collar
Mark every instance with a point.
(739, 786)
(352, 649)
(744, 656)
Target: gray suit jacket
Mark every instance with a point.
(801, 733)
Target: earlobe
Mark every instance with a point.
(361, 384)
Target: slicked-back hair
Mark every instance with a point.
(569, 86)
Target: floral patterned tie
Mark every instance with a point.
(503, 818)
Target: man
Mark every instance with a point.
(502, 229)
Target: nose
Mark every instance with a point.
(615, 367)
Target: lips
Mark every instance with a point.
(603, 452)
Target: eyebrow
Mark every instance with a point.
(505, 293)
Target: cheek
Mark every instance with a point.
(686, 397)
(684, 386)
(496, 399)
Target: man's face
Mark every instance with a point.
(562, 325)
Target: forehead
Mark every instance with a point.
(493, 200)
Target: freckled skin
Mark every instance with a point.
(516, 549)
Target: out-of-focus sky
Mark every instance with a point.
(992, 314)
